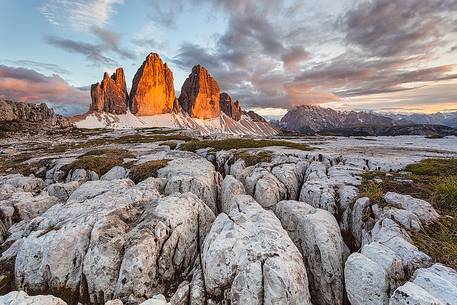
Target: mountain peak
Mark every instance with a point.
(200, 94)
(152, 88)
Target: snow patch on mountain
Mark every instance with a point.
(222, 124)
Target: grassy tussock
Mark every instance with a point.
(99, 160)
(145, 170)
(251, 159)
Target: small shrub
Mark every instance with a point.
(236, 143)
(251, 159)
(145, 170)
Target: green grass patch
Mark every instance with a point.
(139, 138)
(434, 167)
(434, 180)
(251, 159)
(17, 165)
(236, 143)
(145, 170)
(99, 160)
(99, 164)
(439, 240)
(111, 152)
(446, 195)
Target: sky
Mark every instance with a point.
(272, 55)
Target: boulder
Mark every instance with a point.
(440, 287)
(161, 248)
(410, 293)
(62, 190)
(360, 214)
(21, 298)
(317, 235)
(405, 218)
(111, 94)
(156, 300)
(366, 282)
(117, 172)
(317, 189)
(291, 176)
(421, 208)
(230, 188)
(391, 262)
(230, 107)
(247, 247)
(200, 94)
(111, 240)
(390, 234)
(26, 184)
(152, 88)
(195, 175)
(436, 285)
(25, 206)
(51, 254)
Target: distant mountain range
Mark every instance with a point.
(439, 118)
(314, 119)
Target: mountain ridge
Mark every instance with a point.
(309, 119)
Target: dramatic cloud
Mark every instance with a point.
(79, 14)
(388, 28)
(26, 85)
(271, 55)
(95, 53)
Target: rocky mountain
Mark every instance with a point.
(439, 118)
(200, 94)
(392, 130)
(111, 95)
(152, 103)
(30, 113)
(230, 107)
(254, 116)
(152, 88)
(311, 119)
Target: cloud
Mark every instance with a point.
(95, 52)
(284, 53)
(389, 28)
(112, 41)
(79, 14)
(92, 52)
(27, 85)
(41, 66)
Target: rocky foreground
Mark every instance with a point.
(174, 223)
